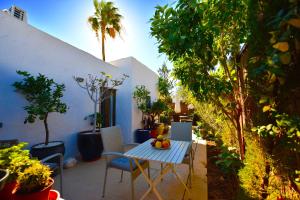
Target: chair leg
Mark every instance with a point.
(104, 184)
(61, 183)
(193, 156)
(161, 171)
(149, 172)
(132, 188)
(121, 176)
(190, 172)
(61, 169)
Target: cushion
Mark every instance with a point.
(123, 163)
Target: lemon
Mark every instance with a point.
(158, 144)
(160, 137)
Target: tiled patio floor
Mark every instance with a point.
(84, 182)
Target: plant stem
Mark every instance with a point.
(46, 129)
(95, 112)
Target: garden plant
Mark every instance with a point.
(240, 59)
(44, 97)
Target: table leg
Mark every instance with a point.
(180, 180)
(154, 182)
(150, 182)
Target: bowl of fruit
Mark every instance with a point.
(161, 143)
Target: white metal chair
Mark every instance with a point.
(182, 131)
(115, 158)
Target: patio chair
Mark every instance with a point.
(115, 158)
(50, 161)
(182, 131)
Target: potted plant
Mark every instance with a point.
(3, 176)
(44, 97)
(34, 182)
(98, 88)
(143, 100)
(14, 159)
(26, 175)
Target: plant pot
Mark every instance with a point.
(54, 195)
(142, 135)
(7, 191)
(90, 145)
(39, 195)
(153, 133)
(3, 177)
(42, 150)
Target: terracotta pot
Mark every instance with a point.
(40, 195)
(3, 177)
(7, 191)
(153, 133)
(54, 195)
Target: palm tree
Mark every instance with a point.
(107, 20)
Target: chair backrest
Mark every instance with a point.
(112, 139)
(181, 131)
(8, 143)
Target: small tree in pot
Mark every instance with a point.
(98, 89)
(44, 97)
(143, 100)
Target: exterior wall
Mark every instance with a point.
(139, 75)
(24, 47)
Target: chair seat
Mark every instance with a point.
(123, 163)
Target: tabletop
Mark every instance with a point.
(175, 154)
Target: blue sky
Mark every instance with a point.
(67, 20)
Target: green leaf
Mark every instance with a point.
(266, 108)
(263, 100)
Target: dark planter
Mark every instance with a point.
(142, 135)
(3, 176)
(41, 150)
(90, 145)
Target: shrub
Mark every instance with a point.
(228, 160)
(15, 159)
(34, 178)
(253, 172)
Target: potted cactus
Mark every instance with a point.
(34, 183)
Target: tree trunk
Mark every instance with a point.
(95, 113)
(103, 45)
(47, 130)
(239, 130)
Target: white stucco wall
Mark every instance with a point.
(140, 75)
(24, 47)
